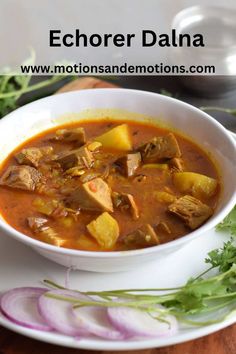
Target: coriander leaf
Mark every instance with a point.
(189, 302)
(223, 257)
(166, 93)
(7, 105)
(13, 86)
(229, 223)
(197, 297)
(11, 82)
(22, 80)
(209, 288)
(191, 298)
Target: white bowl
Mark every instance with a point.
(52, 111)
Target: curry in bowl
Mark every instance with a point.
(108, 186)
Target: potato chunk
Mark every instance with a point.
(160, 166)
(200, 186)
(105, 230)
(164, 197)
(117, 138)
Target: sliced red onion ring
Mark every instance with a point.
(76, 322)
(20, 305)
(58, 313)
(97, 322)
(30, 307)
(133, 322)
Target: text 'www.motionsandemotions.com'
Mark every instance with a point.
(123, 69)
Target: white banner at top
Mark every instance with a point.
(106, 37)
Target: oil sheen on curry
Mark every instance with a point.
(107, 186)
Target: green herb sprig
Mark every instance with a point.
(215, 294)
(231, 111)
(13, 86)
(229, 223)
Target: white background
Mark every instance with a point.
(26, 23)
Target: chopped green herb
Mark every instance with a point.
(224, 258)
(13, 86)
(166, 93)
(198, 296)
(229, 223)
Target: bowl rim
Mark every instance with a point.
(8, 229)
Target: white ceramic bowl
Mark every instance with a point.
(52, 111)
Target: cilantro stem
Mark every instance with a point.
(204, 310)
(34, 87)
(203, 273)
(4, 83)
(62, 297)
(122, 291)
(220, 296)
(53, 284)
(231, 111)
(203, 323)
(113, 292)
(153, 300)
(198, 296)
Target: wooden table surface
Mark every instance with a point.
(221, 342)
